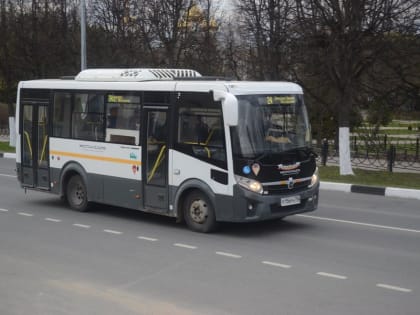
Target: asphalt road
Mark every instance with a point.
(357, 254)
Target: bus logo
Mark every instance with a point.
(292, 169)
(290, 183)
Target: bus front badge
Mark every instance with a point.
(290, 183)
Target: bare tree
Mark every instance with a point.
(347, 37)
(267, 28)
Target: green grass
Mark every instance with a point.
(371, 178)
(4, 147)
(405, 124)
(401, 132)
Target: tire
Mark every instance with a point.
(199, 212)
(76, 194)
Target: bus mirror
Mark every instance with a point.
(229, 106)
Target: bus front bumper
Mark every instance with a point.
(250, 206)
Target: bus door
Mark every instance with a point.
(155, 158)
(35, 153)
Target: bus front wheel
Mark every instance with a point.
(76, 194)
(199, 212)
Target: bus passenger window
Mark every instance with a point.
(61, 114)
(88, 116)
(200, 133)
(123, 119)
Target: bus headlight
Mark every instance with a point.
(249, 184)
(315, 178)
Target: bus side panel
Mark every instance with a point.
(186, 168)
(112, 170)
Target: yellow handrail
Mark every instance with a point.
(158, 161)
(28, 139)
(44, 145)
(209, 136)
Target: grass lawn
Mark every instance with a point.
(4, 147)
(371, 178)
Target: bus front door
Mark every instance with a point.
(155, 159)
(35, 153)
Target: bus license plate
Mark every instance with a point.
(290, 201)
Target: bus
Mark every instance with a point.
(168, 141)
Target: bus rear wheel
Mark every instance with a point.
(199, 212)
(76, 194)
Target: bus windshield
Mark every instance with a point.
(270, 124)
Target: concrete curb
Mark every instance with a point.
(349, 188)
(8, 155)
(380, 191)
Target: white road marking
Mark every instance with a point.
(113, 232)
(274, 264)
(391, 287)
(7, 175)
(145, 238)
(82, 225)
(52, 220)
(359, 223)
(25, 214)
(4, 210)
(331, 275)
(228, 255)
(185, 246)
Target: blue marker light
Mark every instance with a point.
(246, 170)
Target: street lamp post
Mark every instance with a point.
(82, 35)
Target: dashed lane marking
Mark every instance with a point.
(394, 288)
(265, 262)
(274, 264)
(52, 220)
(331, 275)
(7, 175)
(228, 255)
(113, 232)
(82, 225)
(145, 238)
(25, 214)
(185, 246)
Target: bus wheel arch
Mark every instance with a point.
(74, 187)
(195, 206)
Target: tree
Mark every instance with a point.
(267, 28)
(347, 37)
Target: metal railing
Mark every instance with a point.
(377, 154)
(4, 132)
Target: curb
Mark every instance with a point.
(379, 191)
(349, 188)
(8, 155)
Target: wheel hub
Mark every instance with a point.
(199, 211)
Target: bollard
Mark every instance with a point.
(324, 152)
(385, 140)
(417, 148)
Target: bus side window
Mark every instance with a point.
(61, 114)
(123, 118)
(201, 134)
(88, 117)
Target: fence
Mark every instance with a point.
(4, 132)
(380, 153)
